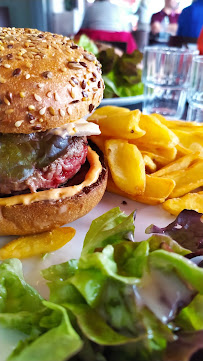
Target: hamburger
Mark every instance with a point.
(49, 175)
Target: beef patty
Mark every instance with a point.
(42, 167)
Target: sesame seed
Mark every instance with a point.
(83, 64)
(73, 93)
(41, 120)
(84, 94)
(6, 101)
(17, 72)
(31, 107)
(74, 65)
(83, 84)
(74, 46)
(40, 85)
(47, 74)
(51, 111)
(7, 66)
(9, 96)
(72, 83)
(74, 101)
(91, 107)
(9, 56)
(56, 96)
(49, 94)
(9, 111)
(89, 57)
(22, 94)
(61, 112)
(37, 98)
(42, 111)
(30, 116)
(32, 121)
(18, 123)
(27, 76)
(69, 110)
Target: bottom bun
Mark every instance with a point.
(41, 216)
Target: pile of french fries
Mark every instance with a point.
(151, 159)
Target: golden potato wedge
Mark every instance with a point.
(189, 201)
(179, 124)
(126, 165)
(116, 122)
(192, 140)
(156, 158)
(188, 179)
(37, 244)
(156, 192)
(150, 166)
(181, 150)
(160, 155)
(179, 164)
(157, 134)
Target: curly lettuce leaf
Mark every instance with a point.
(127, 300)
(15, 294)
(58, 343)
(112, 227)
(87, 44)
(187, 230)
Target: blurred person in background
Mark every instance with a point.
(191, 20)
(108, 22)
(166, 20)
(200, 42)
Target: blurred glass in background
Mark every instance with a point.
(166, 79)
(195, 91)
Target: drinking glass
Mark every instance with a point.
(166, 78)
(195, 91)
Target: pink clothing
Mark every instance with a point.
(111, 36)
(173, 17)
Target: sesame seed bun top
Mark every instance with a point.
(45, 81)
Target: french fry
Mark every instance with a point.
(188, 179)
(161, 155)
(37, 244)
(126, 165)
(156, 158)
(170, 151)
(192, 140)
(157, 134)
(179, 164)
(189, 201)
(179, 124)
(181, 150)
(150, 166)
(156, 192)
(118, 122)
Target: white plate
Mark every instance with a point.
(122, 102)
(145, 216)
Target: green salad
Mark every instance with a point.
(122, 300)
(121, 74)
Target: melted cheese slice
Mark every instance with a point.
(79, 128)
(59, 193)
